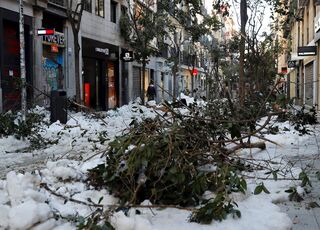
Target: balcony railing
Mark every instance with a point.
(58, 2)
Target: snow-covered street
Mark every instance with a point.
(46, 188)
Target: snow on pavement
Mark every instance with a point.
(25, 203)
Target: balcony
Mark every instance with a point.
(61, 3)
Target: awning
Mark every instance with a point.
(295, 57)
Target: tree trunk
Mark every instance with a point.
(244, 18)
(144, 64)
(77, 65)
(22, 63)
(174, 75)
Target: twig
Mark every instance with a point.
(46, 187)
(269, 178)
(266, 139)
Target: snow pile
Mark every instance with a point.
(191, 100)
(257, 213)
(58, 188)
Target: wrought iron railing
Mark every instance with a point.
(58, 2)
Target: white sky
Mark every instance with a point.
(234, 11)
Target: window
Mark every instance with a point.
(87, 5)
(113, 12)
(99, 8)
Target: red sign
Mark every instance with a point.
(46, 32)
(87, 94)
(195, 72)
(54, 48)
(284, 70)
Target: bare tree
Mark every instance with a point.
(142, 27)
(74, 13)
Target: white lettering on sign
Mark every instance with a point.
(56, 39)
(101, 50)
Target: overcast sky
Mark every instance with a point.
(234, 11)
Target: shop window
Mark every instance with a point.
(99, 8)
(113, 12)
(87, 6)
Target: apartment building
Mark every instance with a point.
(49, 59)
(302, 59)
(107, 80)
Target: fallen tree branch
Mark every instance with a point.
(260, 145)
(266, 139)
(113, 206)
(46, 187)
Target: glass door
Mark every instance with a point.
(111, 82)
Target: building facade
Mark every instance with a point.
(107, 81)
(302, 58)
(49, 59)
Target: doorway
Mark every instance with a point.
(92, 73)
(112, 90)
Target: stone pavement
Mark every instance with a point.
(302, 215)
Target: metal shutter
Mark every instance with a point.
(309, 84)
(136, 82)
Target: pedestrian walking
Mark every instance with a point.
(151, 91)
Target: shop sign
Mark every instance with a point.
(194, 72)
(55, 39)
(292, 64)
(284, 70)
(127, 56)
(307, 50)
(104, 51)
(42, 32)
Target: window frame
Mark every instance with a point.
(113, 11)
(88, 6)
(99, 8)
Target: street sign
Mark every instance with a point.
(42, 32)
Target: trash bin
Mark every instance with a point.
(58, 106)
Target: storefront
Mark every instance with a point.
(10, 59)
(100, 74)
(53, 53)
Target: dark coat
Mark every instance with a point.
(151, 92)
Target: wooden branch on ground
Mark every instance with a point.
(90, 110)
(113, 206)
(46, 187)
(266, 139)
(260, 145)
